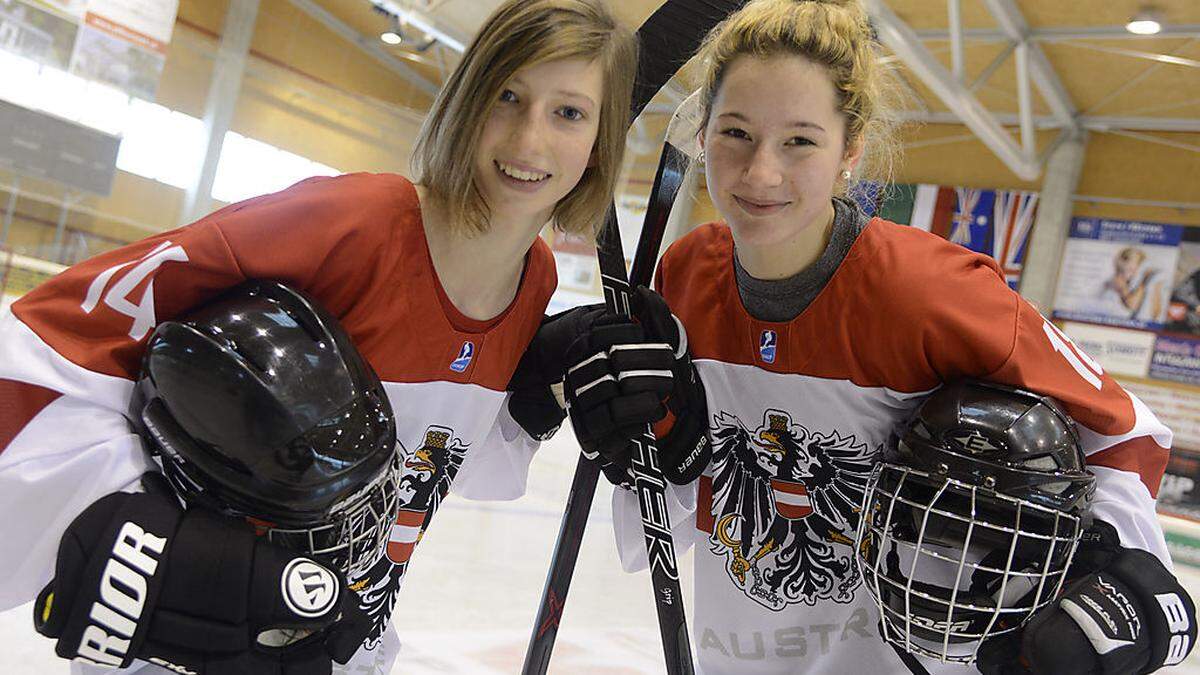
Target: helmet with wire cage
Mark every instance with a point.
(258, 406)
(970, 524)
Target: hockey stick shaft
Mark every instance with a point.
(583, 485)
(648, 481)
(668, 39)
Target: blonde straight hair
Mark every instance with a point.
(833, 33)
(522, 33)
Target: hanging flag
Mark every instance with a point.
(933, 209)
(1012, 221)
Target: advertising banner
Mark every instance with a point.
(1183, 312)
(1175, 407)
(1179, 494)
(1176, 359)
(40, 31)
(122, 43)
(1118, 350)
(1117, 272)
(578, 272)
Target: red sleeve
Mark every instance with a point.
(985, 330)
(1117, 430)
(322, 235)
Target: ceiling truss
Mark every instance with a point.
(1021, 157)
(1023, 43)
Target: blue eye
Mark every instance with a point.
(508, 96)
(572, 114)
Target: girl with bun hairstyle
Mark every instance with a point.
(813, 332)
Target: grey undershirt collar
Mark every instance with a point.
(784, 299)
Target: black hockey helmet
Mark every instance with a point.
(970, 523)
(260, 407)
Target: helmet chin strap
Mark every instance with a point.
(1011, 593)
(909, 660)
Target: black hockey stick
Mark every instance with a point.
(671, 169)
(668, 39)
(648, 481)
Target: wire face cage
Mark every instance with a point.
(951, 564)
(356, 533)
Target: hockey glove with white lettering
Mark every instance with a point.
(194, 592)
(1127, 614)
(536, 401)
(624, 374)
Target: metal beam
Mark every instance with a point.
(1183, 30)
(1090, 122)
(223, 91)
(943, 140)
(1131, 82)
(993, 66)
(369, 45)
(1013, 24)
(1124, 201)
(300, 85)
(1065, 33)
(954, 15)
(1052, 222)
(1025, 98)
(1108, 123)
(1164, 106)
(1147, 138)
(431, 27)
(901, 39)
(1150, 56)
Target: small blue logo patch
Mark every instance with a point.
(464, 357)
(766, 346)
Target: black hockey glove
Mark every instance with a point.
(1123, 613)
(537, 402)
(623, 375)
(193, 592)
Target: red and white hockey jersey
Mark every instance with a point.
(798, 411)
(70, 350)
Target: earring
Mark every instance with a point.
(845, 174)
(700, 157)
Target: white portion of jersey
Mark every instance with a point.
(746, 624)
(77, 449)
(798, 606)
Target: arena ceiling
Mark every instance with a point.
(1004, 68)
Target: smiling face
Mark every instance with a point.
(537, 142)
(775, 143)
(1127, 262)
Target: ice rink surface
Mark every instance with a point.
(469, 602)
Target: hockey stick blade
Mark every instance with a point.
(669, 38)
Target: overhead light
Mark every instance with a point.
(391, 37)
(1144, 22)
